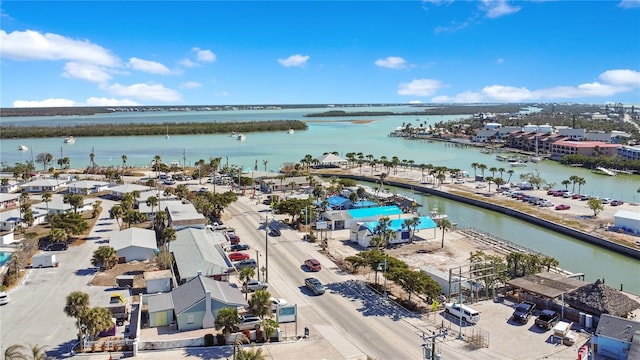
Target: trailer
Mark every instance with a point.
(120, 312)
(44, 260)
(124, 281)
(449, 288)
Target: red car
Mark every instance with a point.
(234, 239)
(563, 207)
(312, 264)
(576, 196)
(238, 256)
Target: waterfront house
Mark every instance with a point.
(587, 148)
(330, 160)
(194, 304)
(339, 203)
(617, 338)
(345, 219)
(628, 221)
(362, 233)
(198, 251)
(629, 152)
(485, 135)
(134, 244)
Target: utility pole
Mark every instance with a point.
(266, 244)
(430, 351)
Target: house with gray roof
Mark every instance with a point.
(9, 200)
(44, 185)
(181, 214)
(194, 304)
(134, 244)
(149, 211)
(86, 187)
(615, 337)
(58, 206)
(200, 251)
(118, 191)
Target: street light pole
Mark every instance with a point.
(266, 244)
(383, 275)
(258, 264)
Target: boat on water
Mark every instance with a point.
(536, 159)
(22, 148)
(502, 157)
(518, 163)
(435, 215)
(69, 140)
(233, 134)
(241, 137)
(290, 131)
(604, 171)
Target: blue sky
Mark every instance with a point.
(89, 53)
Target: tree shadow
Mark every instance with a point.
(62, 351)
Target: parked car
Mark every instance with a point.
(253, 285)
(234, 239)
(563, 207)
(239, 247)
(576, 196)
(523, 311)
(462, 311)
(458, 181)
(59, 246)
(274, 232)
(605, 200)
(275, 302)
(312, 265)
(546, 203)
(547, 319)
(314, 285)
(481, 186)
(238, 256)
(247, 263)
(169, 182)
(616, 203)
(249, 322)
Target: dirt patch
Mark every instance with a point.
(135, 268)
(361, 121)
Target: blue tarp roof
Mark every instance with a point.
(375, 211)
(336, 200)
(398, 224)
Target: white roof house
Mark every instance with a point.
(118, 191)
(58, 206)
(199, 251)
(86, 187)
(44, 185)
(331, 160)
(628, 221)
(181, 215)
(9, 200)
(134, 244)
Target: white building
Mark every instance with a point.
(134, 244)
(628, 221)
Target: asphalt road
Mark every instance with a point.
(35, 314)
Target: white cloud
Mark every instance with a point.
(621, 77)
(392, 62)
(188, 63)
(294, 61)
(629, 4)
(500, 61)
(51, 102)
(204, 55)
(497, 8)
(153, 92)
(148, 66)
(94, 73)
(190, 85)
(613, 82)
(419, 87)
(95, 101)
(32, 45)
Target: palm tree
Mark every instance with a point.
(15, 352)
(168, 235)
(444, 225)
(105, 257)
(92, 158)
(510, 172)
(251, 354)
(260, 304)
(265, 162)
(37, 352)
(46, 197)
(581, 181)
(124, 162)
(76, 305)
(411, 224)
(245, 275)
(474, 166)
(227, 320)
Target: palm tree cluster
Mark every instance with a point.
(22, 352)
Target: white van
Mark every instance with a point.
(460, 310)
(4, 298)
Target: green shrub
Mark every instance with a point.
(208, 340)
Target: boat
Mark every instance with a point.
(536, 159)
(233, 134)
(290, 131)
(435, 215)
(518, 163)
(502, 157)
(604, 171)
(241, 137)
(69, 140)
(22, 148)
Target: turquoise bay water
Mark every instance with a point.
(343, 135)
(4, 257)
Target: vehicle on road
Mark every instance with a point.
(274, 232)
(462, 311)
(44, 260)
(314, 285)
(275, 302)
(233, 238)
(547, 319)
(247, 263)
(523, 312)
(253, 285)
(238, 256)
(249, 322)
(312, 265)
(616, 203)
(59, 246)
(216, 226)
(563, 207)
(239, 247)
(481, 186)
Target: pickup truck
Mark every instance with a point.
(547, 319)
(523, 311)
